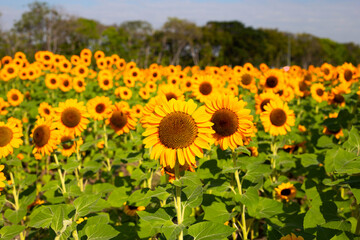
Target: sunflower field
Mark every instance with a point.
(93, 147)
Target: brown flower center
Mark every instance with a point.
(302, 86)
(10, 70)
(118, 119)
(80, 83)
(278, 117)
(263, 104)
(15, 97)
(326, 71)
(134, 74)
(339, 98)
(348, 75)
(272, 82)
(53, 81)
(188, 84)
(319, 92)
(246, 79)
(66, 83)
(41, 135)
(177, 130)
(205, 88)
(6, 134)
(106, 82)
(67, 142)
(71, 117)
(170, 96)
(225, 122)
(47, 111)
(100, 108)
(285, 192)
(81, 70)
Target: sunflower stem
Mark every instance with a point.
(274, 149)
(105, 137)
(95, 127)
(239, 185)
(149, 181)
(15, 192)
(62, 177)
(178, 200)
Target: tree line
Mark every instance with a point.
(178, 41)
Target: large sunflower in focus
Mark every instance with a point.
(233, 124)
(177, 131)
(10, 138)
(277, 118)
(45, 136)
(121, 119)
(71, 117)
(204, 88)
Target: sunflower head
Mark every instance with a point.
(45, 137)
(285, 191)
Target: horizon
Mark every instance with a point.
(323, 19)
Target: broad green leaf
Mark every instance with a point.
(353, 143)
(255, 172)
(189, 179)
(84, 204)
(325, 142)
(341, 161)
(41, 217)
(194, 196)
(313, 218)
(98, 219)
(217, 212)
(158, 218)
(9, 232)
(171, 231)
(250, 198)
(308, 159)
(15, 216)
(266, 208)
(58, 217)
(118, 197)
(210, 231)
(100, 232)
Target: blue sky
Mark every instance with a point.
(337, 20)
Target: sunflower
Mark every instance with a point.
(45, 110)
(186, 84)
(292, 237)
(285, 191)
(14, 97)
(65, 66)
(101, 63)
(6, 60)
(99, 54)
(10, 138)
(3, 106)
(318, 92)
(272, 80)
(122, 119)
(233, 88)
(177, 131)
(66, 82)
(233, 124)
(137, 110)
(52, 81)
(173, 80)
(45, 136)
(11, 70)
(81, 71)
(18, 122)
(144, 93)
(205, 88)
(263, 67)
(263, 99)
(99, 107)
(301, 87)
(69, 144)
(131, 210)
(346, 73)
(79, 84)
(170, 91)
(105, 82)
(151, 86)
(85, 53)
(277, 118)
(336, 96)
(123, 93)
(246, 80)
(71, 116)
(120, 64)
(150, 107)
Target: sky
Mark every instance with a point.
(336, 20)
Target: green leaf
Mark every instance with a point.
(15, 216)
(250, 198)
(41, 217)
(266, 208)
(313, 218)
(353, 143)
(58, 217)
(341, 161)
(217, 212)
(118, 197)
(209, 231)
(100, 232)
(308, 159)
(85, 203)
(255, 172)
(158, 218)
(189, 179)
(194, 196)
(101, 218)
(9, 232)
(325, 142)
